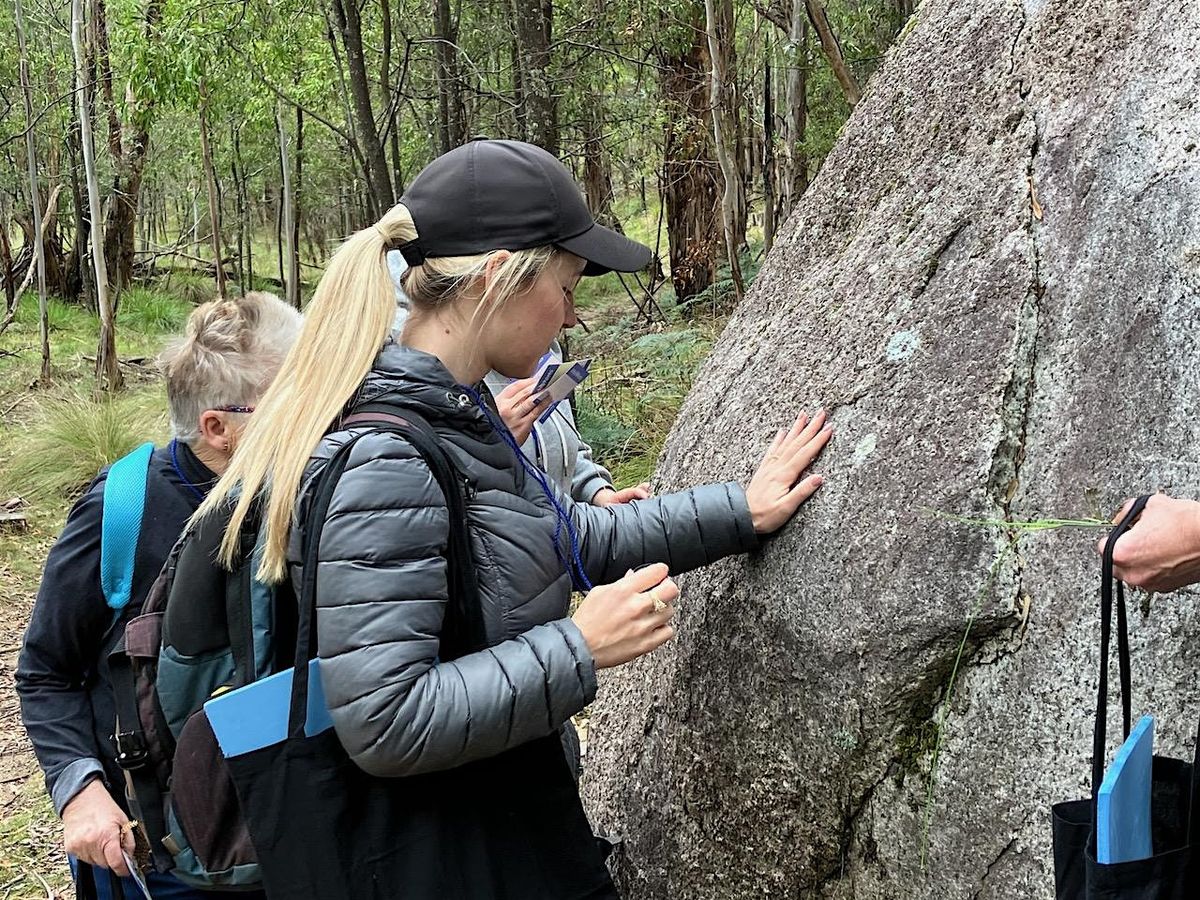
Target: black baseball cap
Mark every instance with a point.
(491, 195)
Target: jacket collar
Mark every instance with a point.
(409, 377)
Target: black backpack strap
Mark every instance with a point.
(463, 630)
(133, 757)
(239, 606)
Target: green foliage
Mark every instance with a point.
(191, 288)
(62, 450)
(152, 312)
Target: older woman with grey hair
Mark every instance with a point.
(215, 373)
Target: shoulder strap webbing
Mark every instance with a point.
(124, 503)
(463, 629)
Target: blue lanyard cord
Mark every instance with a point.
(187, 482)
(562, 518)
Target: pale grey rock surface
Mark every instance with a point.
(984, 352)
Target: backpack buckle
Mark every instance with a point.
(131, 749)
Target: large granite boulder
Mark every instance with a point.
(994, 285)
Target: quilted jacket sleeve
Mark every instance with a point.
(685, 530)
(381, 596)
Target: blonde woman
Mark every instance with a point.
(215, 374)
(496, 235)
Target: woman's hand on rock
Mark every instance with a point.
(628, 618)
(777, 488)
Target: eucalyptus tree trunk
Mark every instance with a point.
(833, 52)
(689, 183)
(768, 159)
(133, 142)
(214, 201)
(796, 102)
(108, 372)
(380, 194)
(288, 270)
(532, 26)
(39, 248)
(451, 119)
(719, 28)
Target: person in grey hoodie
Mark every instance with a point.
(555, 446)
(497, 235)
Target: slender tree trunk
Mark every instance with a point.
(380, 195)
(108, 373)
(689, 183)
(718, 23)
(214, 202)
(127, 176)
(597, 174)
(768, 163)
(39, 250)
(287, 248)
(796, 182)
(833, 51)
(532, 26)
(451, 124)
(297, 193)
(240, 201)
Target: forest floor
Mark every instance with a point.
(55, 436)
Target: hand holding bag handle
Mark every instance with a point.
(1100, 735)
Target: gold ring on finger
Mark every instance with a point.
(659, 603)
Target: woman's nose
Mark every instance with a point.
(569, 318)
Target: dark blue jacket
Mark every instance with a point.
(62, 673)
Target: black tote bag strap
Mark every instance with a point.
(465, 614)
(1100, 735)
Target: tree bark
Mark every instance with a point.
(718, 25)
(451, 118)
(121, 214)
(532, 26)
(833, 51)
(689, 175)
(287, 244)
(39, 249)
(768, 160)
(796, 181)
(597, 171)
(108, 373)
(297, 193)
(380, 195)
(214, 202)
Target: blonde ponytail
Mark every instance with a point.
(345, 325)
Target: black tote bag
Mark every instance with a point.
(510, 827)
(1170, 873)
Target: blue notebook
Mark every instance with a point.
(1123, 804)
(256, 716)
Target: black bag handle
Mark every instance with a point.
(463, 630)
(1100, 735)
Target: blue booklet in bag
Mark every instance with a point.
(1123, 804)
(256, 715)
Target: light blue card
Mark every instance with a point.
(1123, 804)
(256, 716)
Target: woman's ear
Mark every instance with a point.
(215, 432)
(492, 268)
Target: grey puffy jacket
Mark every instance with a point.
(381, 582)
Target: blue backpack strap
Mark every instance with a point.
(124, 502)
